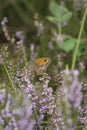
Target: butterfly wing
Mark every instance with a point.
(41, 64)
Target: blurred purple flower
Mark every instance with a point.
(2, 96)
(73, 88)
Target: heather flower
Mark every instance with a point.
(39, 95)
(83, 108)
(39, 25)
(59, 38)
(83, 115)
(55, 110)
(13, 116)
(50, 44)
(20, 49)
(79, 4)
(2, 96)
(72, 99)
(59, 60)
(1, 59)
(20, 35)
(17, 46)
(81, 66)
(73, 92)
(33, 50)
(5, 30)
(6, 112)
(66, 101)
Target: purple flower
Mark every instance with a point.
(2, 96)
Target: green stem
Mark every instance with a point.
(9, 77)
(60, 29)
(78, 41)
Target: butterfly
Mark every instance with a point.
(40, 65)
(36, 67)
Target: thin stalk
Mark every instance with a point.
(60, 29)
(78, 40)
(9, 77)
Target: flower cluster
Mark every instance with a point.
(39, 94)
(12, 116)
(39, 25)
(5, 30)
(73, 96)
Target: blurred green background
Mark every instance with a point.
(20, 14)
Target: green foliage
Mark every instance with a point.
(61, 14)
(68, 44)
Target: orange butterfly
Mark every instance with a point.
(41, 64)
(36, 67)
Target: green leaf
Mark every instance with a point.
(54, 9)
(81, 49)
(61, 14)
(68, 44)
(53, 19)
(66, 17)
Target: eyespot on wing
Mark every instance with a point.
(44, 61)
